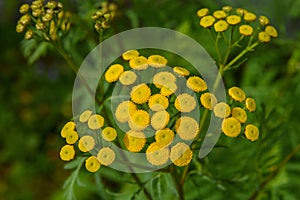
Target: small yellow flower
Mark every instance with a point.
(29, 34)
(233, 19)
(181, 71)
(156, 154)
(263, 20)
(251, 132)
(185, 103)
(158, 102)
(84, 117)
(231, 127)
(208, 100)
(139, 120)
(157, 61)
(221, 26)
(168, 89)
(271, 31)
(227, 8)
(24, 8)
(250, 104)
(219, 14)
(164, 137)
(187, 128)
(109, 134)
(69, 126)
(160, 120)
(134, 141)
(113, 73)
(67, 152)
(240, 114)
(207, 21)
(240, 11)
(264, 37)
(86, 143)
(106, 156)
(196, 83)
(249, 17)
(130, 54)
(246, 30)
(202, 12)
(124, 111)
(140, 93)
(20, 28)
(237, 94)
(222, 110)
(25, 19)
(72, 137)
(95, 122)
(163, 78)
(92, 164)
(128, 78)
(181, 154)
(138, 63)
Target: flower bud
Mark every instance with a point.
(263, 20)
(227, 8)
(52, 27)
(37, 12)
(25, 19)
(36, 5)
(40, 26)
(24, 8)
(105, 25)
(98, 26)
(20, 28)
(61, 14)
(47, 17)
(112, 7)
(51, 4)
(94, 17)
(107, 16)
(60, 5)
(29, 34)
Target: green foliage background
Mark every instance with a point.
(36, 102)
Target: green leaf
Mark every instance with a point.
(73, 164)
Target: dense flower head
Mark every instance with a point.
(251, 132)
(140, 93)
(106, 156)
(134, 141)
(231, 127)
(233, 19)
(202, 12)
(160, 120)
(158, 102)
(164, 137)
(208, 100)
(67, 153)
(157, 154)
(237, 94)
(181, 71)
(239, 114)
(157, 61)
(221, 26)
(127, 55)
(196, 83)
(92, 164)
(128, 78)
(181, 154)
(207, 21)
(222, 110)
(138, 63)
(185, 103)
(187, 128)
(113, 73)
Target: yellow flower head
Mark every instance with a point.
(158, 102)
(168, 89)
(67, 152)
(84, 117)
(181, 71)
(219, 14)
(86, 143)
(185, 103)
(140, 93)
(249, 17)
(187, 128)
(202, 12)
(163, 78)
(246, 30)
(160, 120)
(233, 19)
(237, 94)
(251, 132)
(139, 120)
(264, 37)
(208, 100)
(207, 21)
(92, 164)
(196, 83)
(157, 155)
(138, 63)
(125, 110)
(134, 141)
(240, 11)
(250, 104)
(271, 31)
(113, 73)
(231, 127)
(130, 54)
(109, 134)
(164, 137)
(263, 20)
(24, 8)
(69, 126)
(95, 122)
(72, 137)
(157, 61)
(181, 154)
(106, 156)
(128, 78)
(221, 26)
(240, 114)
(227, 8)
(222, 110)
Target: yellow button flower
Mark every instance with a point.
(263, 20)
(67, 153)
(130, 54)
(24, 8)
(139, 120)
(181, 71)
(237, 94)
(95, 122)
(250, 104)
(140, 93)
(240, 11)
(124, 111)
(86, 143)
(157, 155)
(134, 141)
(185, 103)
(202, 12)
(231, 127)
(138, 63)
(221, 26)
(158, 102)
(207, 21)
(106, 156)
(271, 31)
(113, 73)
(208, 100)
(84, 117)
(219, 14)
(72, 137)
(168, 89)
(109, 134)
(164, 137)
(181, 154)
(249, 17)
(157, 61)
(128, 78)
(196, 83)
(160, 120)
(251, 132)
(233, 19)
(240, 114)
(163, 78)
(264, 37)
(246, 30)
(227, 8)
(70, 126)
(187, 128)
(222, 110)
(92, 164)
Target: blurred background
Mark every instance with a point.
(36, 96)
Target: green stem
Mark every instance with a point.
(217, 48)
(178, 185)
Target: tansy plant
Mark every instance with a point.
(158, 104)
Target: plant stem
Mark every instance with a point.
(178, 185)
